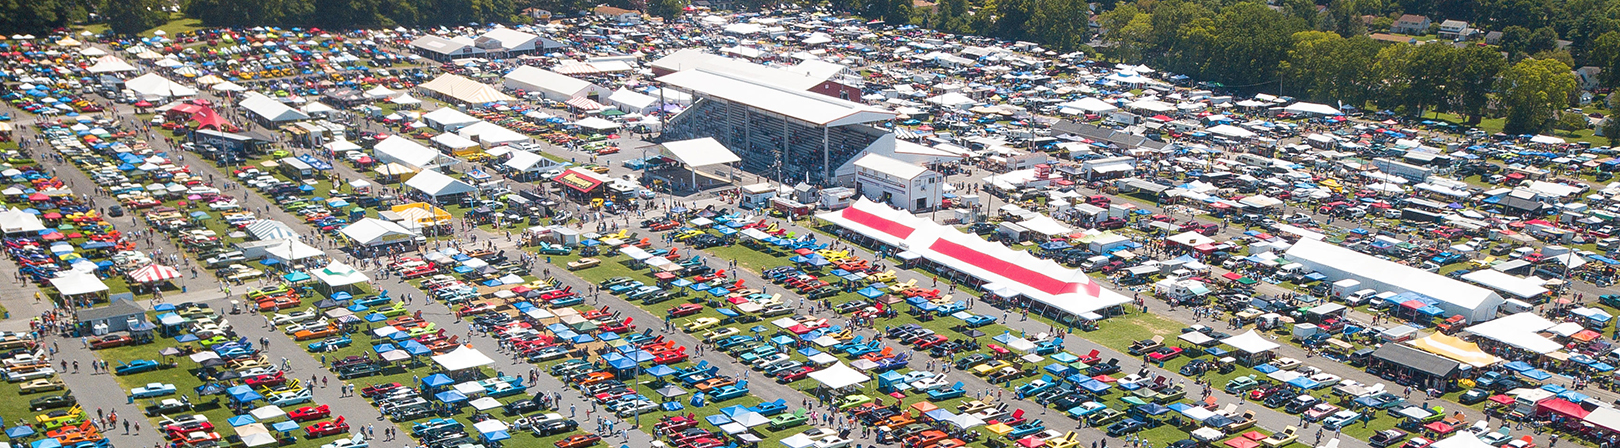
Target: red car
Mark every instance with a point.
(1165, 354)
(110, 341)
(419, 271)
(578, 441)
(265, 380)
(324, 429)
(307, 413)
(620, 327)
(188, 427)
(378, 389)
(475, 309)
(795, 374)
(685, 309)
(932, 341)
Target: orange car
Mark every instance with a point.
(315, 333)
(595, 377)
(714, 383)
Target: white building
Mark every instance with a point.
(1337, 263)
(552, 85)
(899, 184)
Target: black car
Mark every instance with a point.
(851, 306)
(1126, 426)
(521, 407)
(52, 402)
(409, 413)
(1279, 398)
(1109, 368)
(1473, 396)
(1183, 443)
(971, 360)
(358, 371)
(115, 211)
(1386, 437)
(556, 427)
(167, 407)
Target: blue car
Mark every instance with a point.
(136, 366)
(979, 321)
(152, 390)
(331, 343)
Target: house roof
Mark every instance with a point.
(1411, 18)
(510, 38)
(1453, 24)
(613, 11)
(1416, 359)
(116, 309)
(437, 44)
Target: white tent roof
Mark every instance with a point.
(16, 221)
(449, 117)
(700, 152)
(109, 64)
(293, 250)
(524, 161)
(491, 134)
(152, 86)
(547, 81)
(465, 90)
(337, 273)
(1250, 342)
(270, 109)
(341, 145)
(270, 229)
(404, 99)
(404, 151)
(463, 358)
(74, 282)
(811, 107)
(373, 232)
(1312, 108)
(1518, 330)
(1463, 439)
(380, 92)
(838, 376)
(1090, 105)
(1502, 281)
(1231, 131)
(453, 141)
(631, 100)
(1473, 302)
(435, 184)
(1604, 416)
(316, 107)
(596, 123)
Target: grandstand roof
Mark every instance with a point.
(813, 108)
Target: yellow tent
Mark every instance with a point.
(1456, 349)
(423, 214)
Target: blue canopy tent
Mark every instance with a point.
(437, 380)
(285, 426)
(243, 394)
(384, 348)
(48, 442)
(415, 348)
(661, 371)
(241, 420)
(870, 292)
(450, 396)
(18, 432)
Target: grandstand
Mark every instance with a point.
(779, 133)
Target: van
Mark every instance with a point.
(1359, 297)
(1094, 263)
(1292, 270)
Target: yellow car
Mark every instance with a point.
(43, 385)
(992, 366)
(833, 255)
(689, 235)
(701, 323)
(59, 418)
(719, 334)
(898, 287)
(1067, 441)
(623, 234)
(883, 277)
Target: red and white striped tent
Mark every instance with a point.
(154, 273)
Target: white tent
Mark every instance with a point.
(596, 123)
(1312, 108)
(631, 101)
(110, 64)
(1231, 131)
(436, 184)
(1250, 342)
(839, 376)
(73, 282)
(1463, 439)
(453, 141)
(700, 152)
(152, 87)
(376, 232)
(465, 90)
(380, 92)
(293, 250)
(337, 273)
(524, 161)
(405, 100)
(404, 151)
(17, 221)
(462, 358)
(269, 109)
(491, 134)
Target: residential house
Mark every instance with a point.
(1589, 77)
(1411, 24)
(1386, 37)
(1455, 29)
(1491, 38)
(620, 15)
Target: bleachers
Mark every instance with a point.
(762, 134)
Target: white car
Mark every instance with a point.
(294, 317)
(358, 441)
(832, 442)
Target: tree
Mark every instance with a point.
(1475, 74)
(951, 16)
(668, 9)
(38, 16)
(129, 17)
(1532, 92)
(1011, 19)
(1611, 127)
(1571, 122)
(1060, 24)
(1326, 68)
(1606, 55)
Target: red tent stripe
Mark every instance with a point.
(876, 222)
